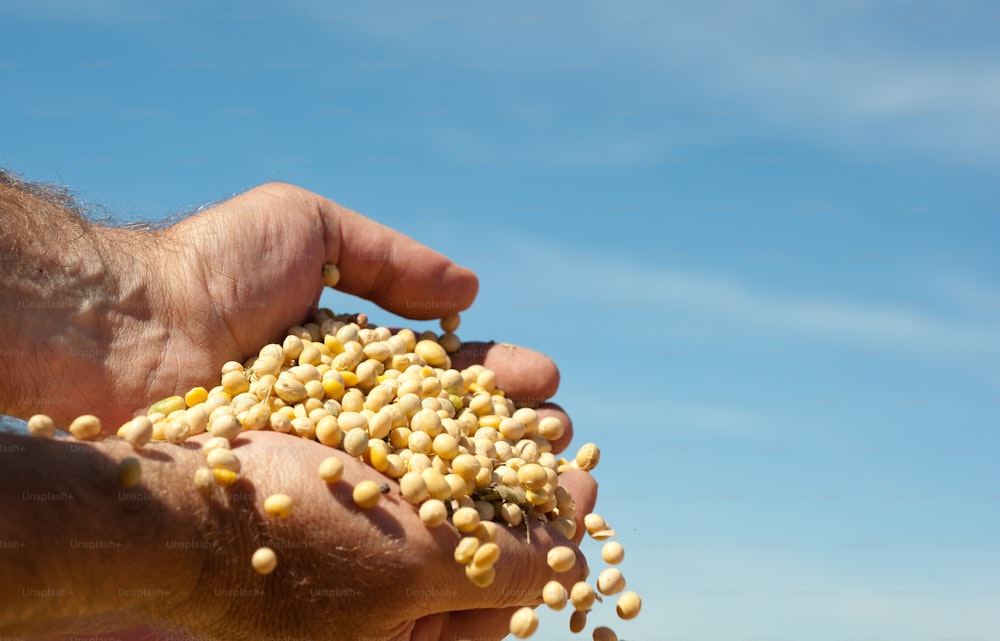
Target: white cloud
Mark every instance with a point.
(860, 77)
(970, 295)
(856, 74)
(573, 275)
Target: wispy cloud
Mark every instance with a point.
(865, 74)
(969, 295)
(572, 275)
(858, 77)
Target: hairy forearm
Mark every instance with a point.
(70, 284)
(49, 251)
(79, 552)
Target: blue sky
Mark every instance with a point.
(758, 238)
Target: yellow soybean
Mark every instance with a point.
(367, 494)
(331, 469)
(610, 581)
(129, 472)
(86, 427)
(433, 512)
(588, 456)
(487, 554)
(480, 575)
(628, 605)
(195, 396)
(41, 425)
(331, 275)
(168, 405)
(561, 558)
(224, 477)
(523, 622)
(555, 595)
(278, 505)
(222, 459)
(204, 480)
(582, 596)
(264, 560)
(465, 551)
(432, 353)
(138, 431)
(235, 382)
(613, 553)
(532, 476)
(413, 488)
(466, 519)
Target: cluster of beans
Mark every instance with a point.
(461, 451)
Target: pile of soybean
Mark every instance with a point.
(463, 453)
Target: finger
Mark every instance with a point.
(528, 377)
(392, 270)
(522, 570)
(583, 488)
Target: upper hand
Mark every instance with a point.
(222, 283)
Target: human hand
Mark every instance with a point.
(175, 304)
(348, 573)
(392, 577)
(343, 572)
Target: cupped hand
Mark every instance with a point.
(219, 285)
(345, 572)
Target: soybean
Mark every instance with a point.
(480, 575)
(588, 457)
(433, 513)
(367, 494)
(554, 595)
(41, 425)
(487, 554)
(561, 558)
(613, 553)
(278, 505)
(523, 622)
(466, 549)
(264, 560)
(610, 581)
(331, 275)
(461, 450)
(628, 605)
(138, 431)
(582, 596)
(129, 472)
(331, 469)
(85, 428)
(603, 633)
(204, 480)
